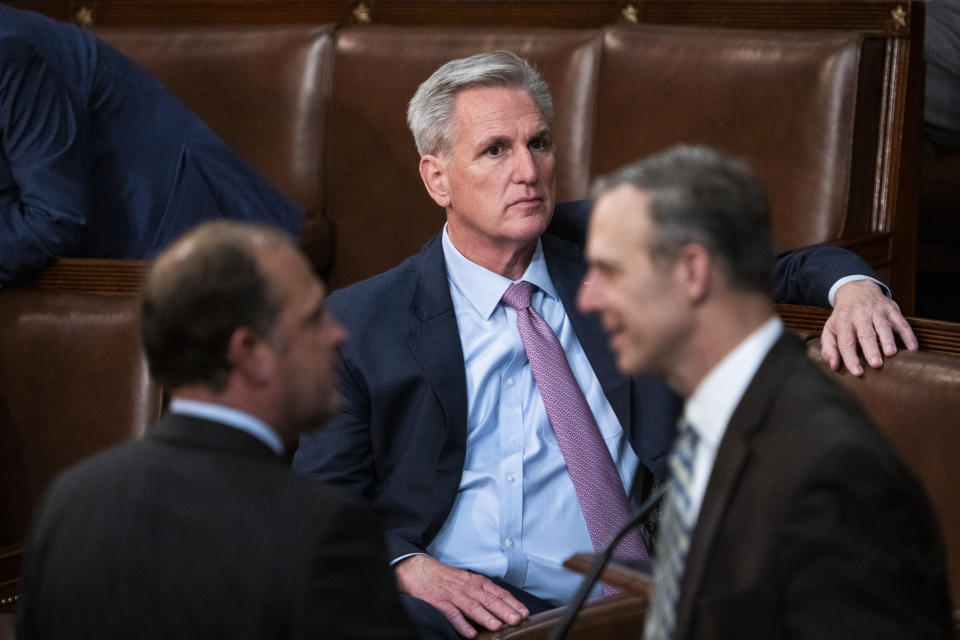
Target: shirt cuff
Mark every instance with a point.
(842, 281)
(394, 562)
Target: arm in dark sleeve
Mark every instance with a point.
(44, 185)
(805, 276)
(341, 453)
(353, 593)
(802, 276)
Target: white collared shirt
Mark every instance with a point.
(718, 395)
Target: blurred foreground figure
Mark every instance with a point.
(200, 529)
(788, 516)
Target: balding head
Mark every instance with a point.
(199, 291)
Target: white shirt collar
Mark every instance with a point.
(717, 396)
(484, 288)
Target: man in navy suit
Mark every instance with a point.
(443, 427)
(98, 160)
(200, 529)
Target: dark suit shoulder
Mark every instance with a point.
(369, 298)
(810, 513)
(570, 220)
(805, 395)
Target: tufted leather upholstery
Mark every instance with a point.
(73, 380)
(783, 101)
(321, 112)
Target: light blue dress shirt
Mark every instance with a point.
(230, 417)
(516, 514)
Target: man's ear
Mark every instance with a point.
(250, 356)
(694, 267)
(434, 176)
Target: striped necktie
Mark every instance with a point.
(673, 539)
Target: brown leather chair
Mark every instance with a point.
(785, 101)
(915, 401)
(264, 89)
(830, 117)
(73, 381)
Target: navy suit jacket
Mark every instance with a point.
(399, 440)
(97, 159)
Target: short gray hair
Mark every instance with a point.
(702, 196)
(430, 112)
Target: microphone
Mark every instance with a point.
(600, 561)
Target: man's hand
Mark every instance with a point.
(863, 314)
(457, 593)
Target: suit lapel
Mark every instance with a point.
(434, 340)
(732, 456)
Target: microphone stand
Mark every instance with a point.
(600, 561)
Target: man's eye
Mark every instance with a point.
(538, 144)
(495, 150)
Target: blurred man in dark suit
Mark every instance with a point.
(788, 515)
(201, 529)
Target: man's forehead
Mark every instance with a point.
(485, 106)
(624, 206)
(619, 219)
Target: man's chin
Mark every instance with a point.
(630, 364)
(533, 222)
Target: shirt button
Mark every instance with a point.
(508, 542)
(511, 477)
(510, 382)
(513, 439)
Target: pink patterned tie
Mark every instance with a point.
(595, 478)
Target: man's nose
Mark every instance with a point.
(525, 168)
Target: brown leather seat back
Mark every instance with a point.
(263, 89)
(915, 400)
(377, 202)
(785, 101)
(73, 380)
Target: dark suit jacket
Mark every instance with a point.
(810, 526)
(98, 159)
(200, 531)
(399, 440)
